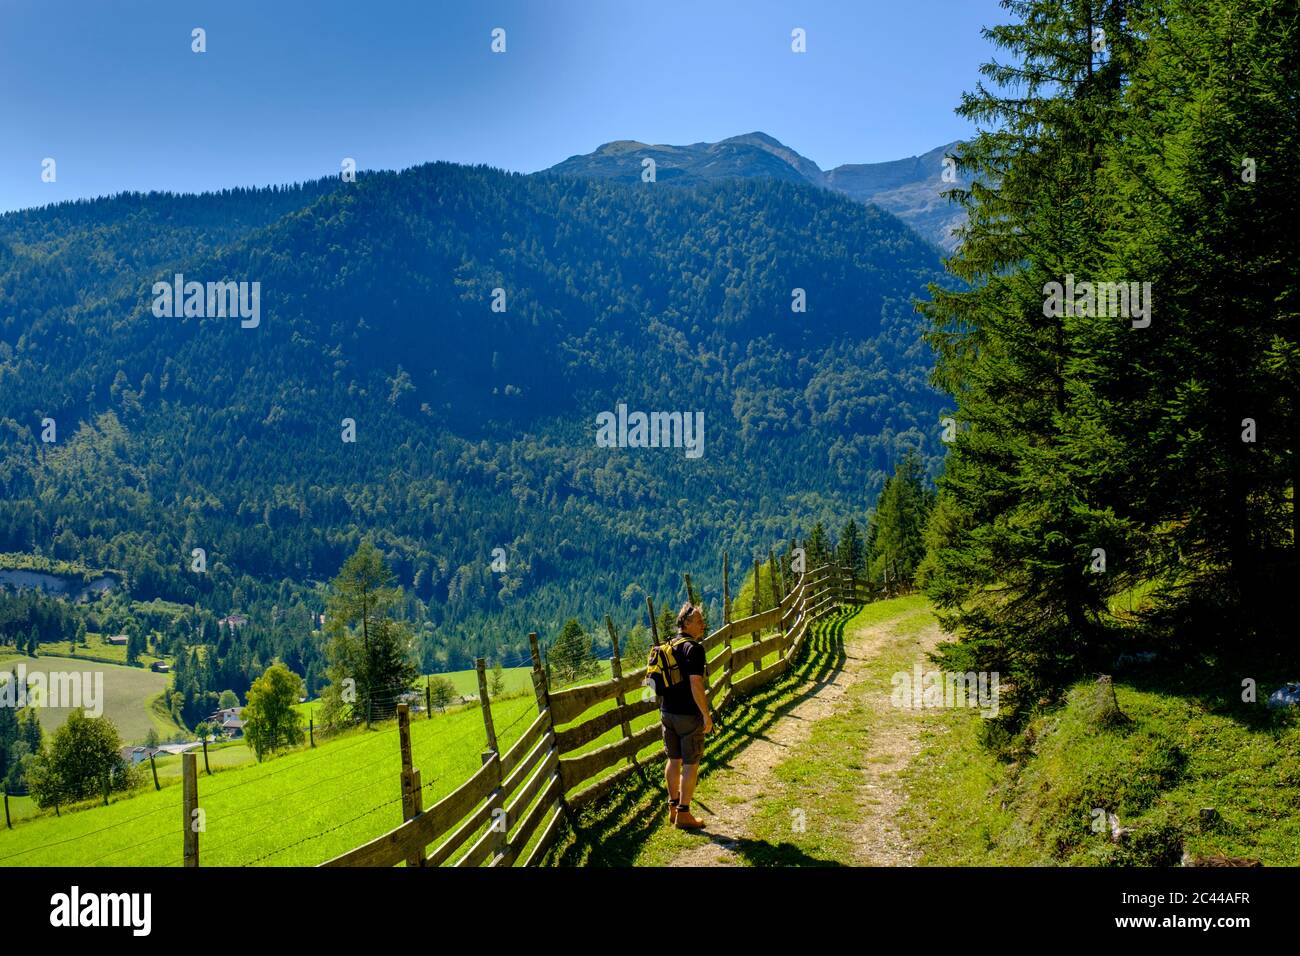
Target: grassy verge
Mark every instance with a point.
(1048, 795)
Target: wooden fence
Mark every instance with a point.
(515, 802)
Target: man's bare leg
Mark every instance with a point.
(673, 773)
(689, 772)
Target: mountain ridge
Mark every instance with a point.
(910, 188)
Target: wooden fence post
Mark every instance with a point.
(412, 789)
(777, 586)
(497, 799)
(206, 768)
(190, 806)
(480, 666)
(616, 666)
(542, 689)
(755, 607)
(726, 619)
(428, 698)
(8, 823)
(311, 729)
(690, 590)
(107, 786)
(726, 591)
(780, 578)
(533, 646)
(154, 767)
(654, 625)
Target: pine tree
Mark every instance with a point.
(635, 646)
(1204, 207)
(371, 654)
(851, 553)
(134, 643)
(573, 654)
(897, 526)
(1014, 580)
(818, 547)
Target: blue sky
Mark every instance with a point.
(112, 91)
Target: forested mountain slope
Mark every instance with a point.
(475, 428)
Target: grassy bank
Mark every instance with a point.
(1204, 773)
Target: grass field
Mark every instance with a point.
(129, 694)
(518, 680)
(236, 753)
(297, 809)
(94, 647)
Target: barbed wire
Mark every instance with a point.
(82, 836)
(253, 831)
(274, 803)
(317, 836)
(154, 839)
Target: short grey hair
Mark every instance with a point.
(685, 614)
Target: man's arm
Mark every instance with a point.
(701, 700)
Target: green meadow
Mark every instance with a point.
(129, 695)
(298, 809)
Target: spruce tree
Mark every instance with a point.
(1014, 580)
(851, 552)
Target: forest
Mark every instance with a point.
(465, 326)
(1122, 483)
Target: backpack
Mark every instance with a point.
(664, 665)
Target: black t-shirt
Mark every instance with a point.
(678, 699)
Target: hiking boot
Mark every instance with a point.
(687, 821)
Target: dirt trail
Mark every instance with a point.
(735, 793)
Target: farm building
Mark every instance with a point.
(135, 755)
(229, 721)
(177, 749)
(117, 640)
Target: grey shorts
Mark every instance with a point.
(683, 736)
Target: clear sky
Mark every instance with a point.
(111, 90)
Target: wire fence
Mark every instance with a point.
(436, 746)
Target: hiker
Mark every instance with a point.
(683, 712)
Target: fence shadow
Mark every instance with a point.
(612, 831)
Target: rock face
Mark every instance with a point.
(911, 189)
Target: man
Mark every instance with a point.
(684, 713)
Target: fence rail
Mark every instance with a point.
(516, 800)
